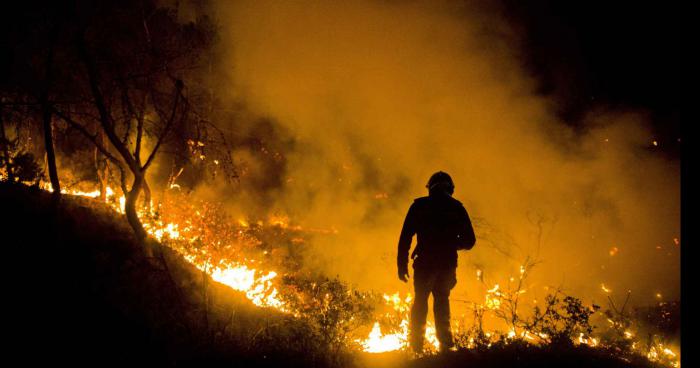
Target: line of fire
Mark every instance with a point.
(207, 182)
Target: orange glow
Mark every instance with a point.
(259, 287)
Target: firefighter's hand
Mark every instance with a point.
(403, 275)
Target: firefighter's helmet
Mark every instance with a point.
(441, 180)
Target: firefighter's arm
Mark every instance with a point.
(407, 232)
(466, 235)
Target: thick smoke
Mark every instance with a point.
(369, 98)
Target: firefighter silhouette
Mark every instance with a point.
(442, 226)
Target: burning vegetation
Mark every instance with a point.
(261, 259)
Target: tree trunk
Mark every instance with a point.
(146, 195)
(5, 150)
(48, 144)
(46, 117)
(130, 207)
(102, 169)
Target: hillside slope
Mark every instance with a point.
(81, 291)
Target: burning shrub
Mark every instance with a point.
(332, 309)
(642, 332)
(473, 337)
(618, 337)
(562, 321)
(200, 229)
(663, 318)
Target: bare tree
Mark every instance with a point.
(30, 76)
(133, 91)
(46, 116)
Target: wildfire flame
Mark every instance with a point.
(258, 287)
(377, 342)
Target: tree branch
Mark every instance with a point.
(91, 137)
(105, 117)
(169, 123)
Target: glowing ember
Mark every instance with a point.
(493, 300)
(281, 221)
(92, 194)
(590, 341)
(170, 230)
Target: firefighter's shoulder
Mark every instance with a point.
(457, 202)
(421, 200)
(420, 203)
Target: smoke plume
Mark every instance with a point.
(362, 101)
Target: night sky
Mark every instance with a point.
(620, 54)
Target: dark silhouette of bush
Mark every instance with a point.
(18, 165)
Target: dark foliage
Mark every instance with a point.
(525, 356)
(562, 319)
(18, 165)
